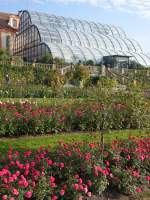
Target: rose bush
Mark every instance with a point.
(28, 118)
(75, 171)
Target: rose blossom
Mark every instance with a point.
(89, 183)
(85, 190)
(62, 192)
(28, 194)
(52, 179)
(61, 165)
(91, 145)
(89, 194)
(80, 181)
(54, 198)
(76, 186)
(4, 197)
(138, 190)
(147, 178)
(15, 192)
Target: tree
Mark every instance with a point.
(89, 62)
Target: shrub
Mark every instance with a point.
(75, 171)
(80, 74)
(27, 118)
(107, 83)
(5, 55)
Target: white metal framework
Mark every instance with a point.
(72, 39)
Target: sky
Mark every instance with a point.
(132, 15)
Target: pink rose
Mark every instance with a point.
(142, 157)
(62, 165)
(76, 176)
(147, 178)
(53, 185)
(62, 192)
(4, 197)
(89, 183)
(80, 181)
(128, 157)
(81, 187)
(17, 173)
(25, 183)
(5, 180)
(52, 179)
(14, 176)
(89, 194)
(54, 198)
(85, 190)
(10, 180)
(68, 153)
(49, 162)
(28, 194)
(15, 192)
(136, 174)
(76, 186)
(138, 190)
(107, 163)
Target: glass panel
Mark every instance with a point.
(55, 50)
(72, 39)
(139, 58)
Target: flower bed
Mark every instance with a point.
(25, 118)
(75, 171)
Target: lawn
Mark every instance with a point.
(33, 142)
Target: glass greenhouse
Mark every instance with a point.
(72, 40)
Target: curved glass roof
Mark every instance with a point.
(74, 39)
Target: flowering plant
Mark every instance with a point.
(28, 118)
(75, 171)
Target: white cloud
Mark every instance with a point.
(140, 7)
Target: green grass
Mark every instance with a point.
(33, 142)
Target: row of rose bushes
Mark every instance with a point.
(75, 171)
(26, 118)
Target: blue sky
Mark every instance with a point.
(132, 15)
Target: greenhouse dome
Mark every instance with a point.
(73, 40)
